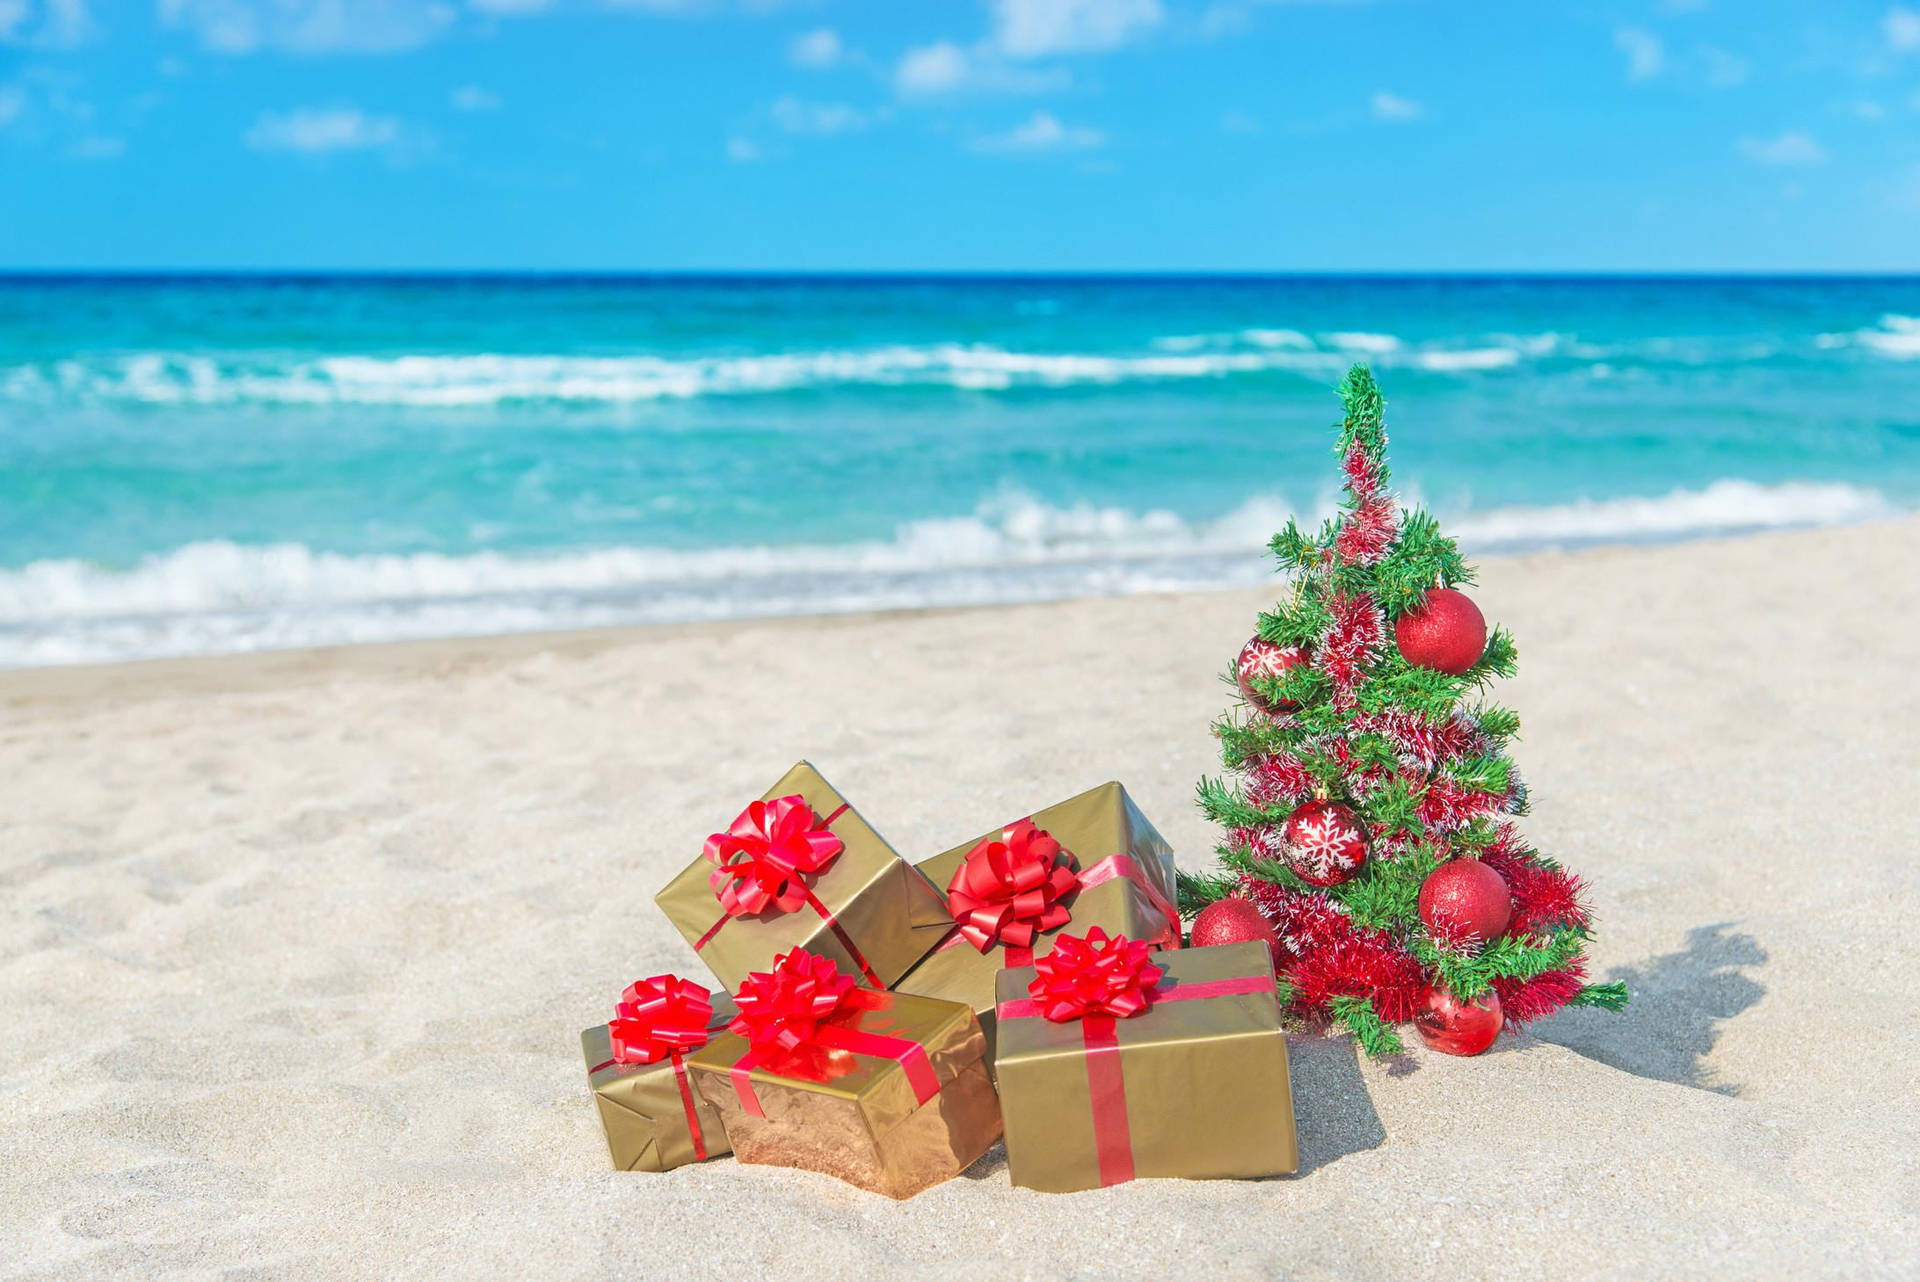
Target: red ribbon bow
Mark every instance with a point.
(1099, 975)
(801, 1019)
(1008, 889)
(658, 1017)
(783, 1011)
(765, 855)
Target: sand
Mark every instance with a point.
(296, 948)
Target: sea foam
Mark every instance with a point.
(221, 596)
(466, 380)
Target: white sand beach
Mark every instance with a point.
(295, 948)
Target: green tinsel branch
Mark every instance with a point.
(1609, 996)
(1376, 1037)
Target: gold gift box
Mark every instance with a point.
(641, 1107)
(1205, 1094)
(1099, 822)
(865, 1124)
(889, 911)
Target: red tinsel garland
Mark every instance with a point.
(1525, 999)
(1543, 897)
(1367, 533)
(1279, 778)
(1345, 648)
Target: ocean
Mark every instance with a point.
(210, 464)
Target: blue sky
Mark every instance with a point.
(1006, 134)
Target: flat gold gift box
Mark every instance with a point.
(865, 1125)
(1205, 1091)
(885, 907)
(642, 1109)
(1100, 822)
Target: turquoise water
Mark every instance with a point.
(191, 465)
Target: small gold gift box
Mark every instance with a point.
(1193, 1086)
(801, 869)
(890, 1092)
(1122, 883)
(653, 1118)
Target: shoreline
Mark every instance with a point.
(253, 669)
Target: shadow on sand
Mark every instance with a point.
(1679, 1000)
(1331, 1106)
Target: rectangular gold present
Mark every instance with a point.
(865, 906)
(653, 1118)
(908, 1106)
(1124, 870)
(1194, 1087)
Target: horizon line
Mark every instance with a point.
(15, 274)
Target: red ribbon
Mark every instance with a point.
(801, 1020)
(663, 1017)
(1008, 889)
(1011, 889)
(762, 863)
(765, 855)
(658, 1017)
(1101, 974)
(1124, 866)
(1098, 981)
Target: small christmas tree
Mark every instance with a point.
(1369, 817)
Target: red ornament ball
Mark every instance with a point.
(1464, 901)
(1234, 920)
(1454, 1027)
(1260, 658)
(1447, 633)
(1324, 842)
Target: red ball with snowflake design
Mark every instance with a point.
(1261, 658)
(1324, 842)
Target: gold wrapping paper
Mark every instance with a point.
(1099, 822)
(865, 1126)
(641, 1109)
(1206, 1084)
(889, 911)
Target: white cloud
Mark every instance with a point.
(474, 98)
(1238, 122)
(932, 69)
(1041, 132)
(1043, 28)
(98, 148)
(794, 116)
(310, 26)
(1867, 109)
(742, 151)
(1794, 147)
(316, 131)
(1388, 106)
(13, 102)
(818, 49)
(945, 68)
(1903, 28)
(1646, 56)
(510, 8)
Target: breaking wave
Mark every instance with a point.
(220, 596)
(486, 379)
